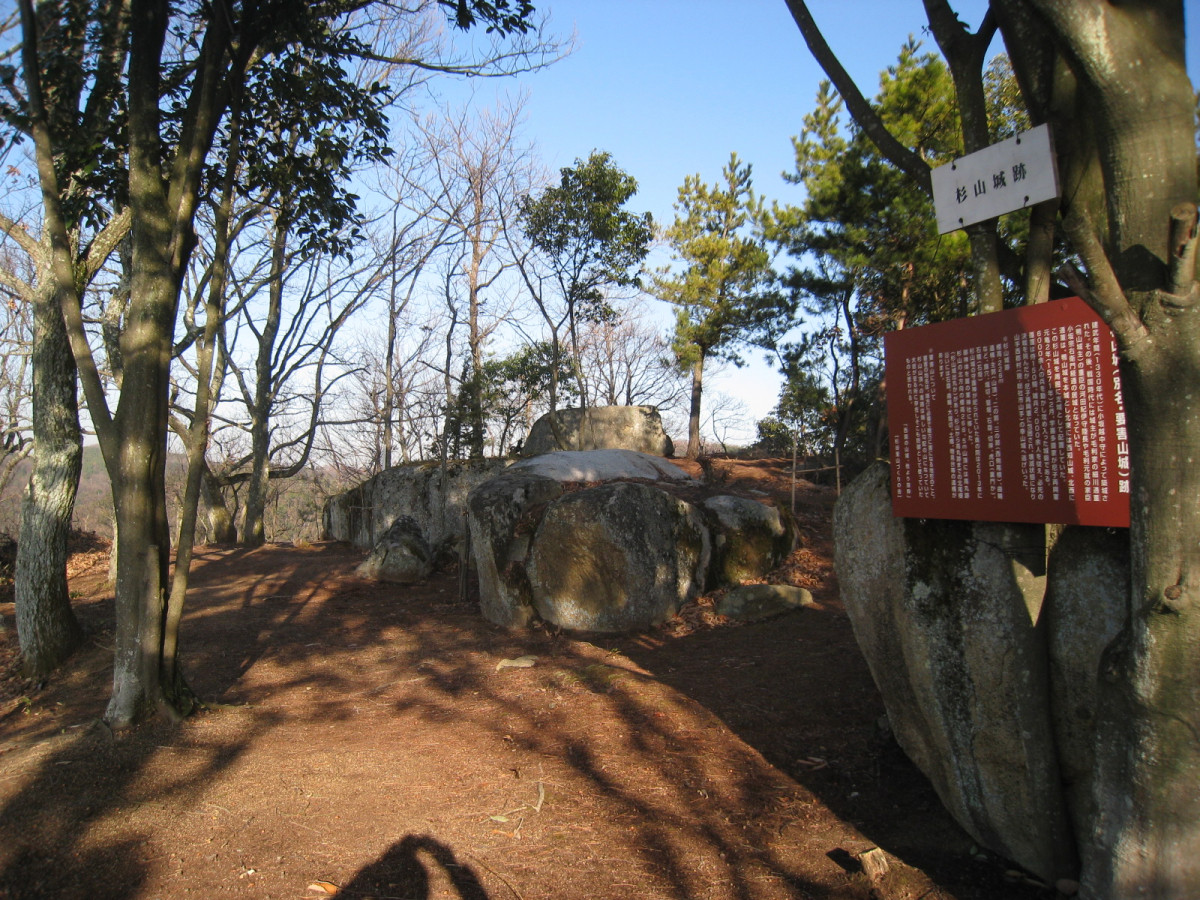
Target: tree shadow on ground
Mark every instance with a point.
(797, 689)
(59, 834)
(367, 718)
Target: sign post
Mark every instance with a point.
(1010, 175)
(1015, 416)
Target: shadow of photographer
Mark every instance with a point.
(417, 867)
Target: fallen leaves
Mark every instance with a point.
(507, 817)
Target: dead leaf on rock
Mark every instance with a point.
(323, 887)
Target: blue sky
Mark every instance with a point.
(671, 87)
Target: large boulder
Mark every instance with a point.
(617, 557)
(636, 428)
(754, 602)
(948, 615)
(431, 494)
(603, 540)
(503, 514)
(1086, 599)
(401, 555)
(749, 537)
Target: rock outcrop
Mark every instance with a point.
(604, 541)
(750, 537)
(1088, 583)
(754, 602)
(617, 557)
(431, 494)
(949, 617)
(401, 555)
(637, 428)
(503, 514)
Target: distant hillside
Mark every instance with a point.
(293, 514)
(93, 507)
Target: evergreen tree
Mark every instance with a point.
(722, 285)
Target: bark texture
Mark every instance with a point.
(1141, 267)
(46, 626)
(693, 448)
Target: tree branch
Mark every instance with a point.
(1184, 238)
(856, 104)
(16, 285)
(17, 231)
(102, 245)
(1105, 294)
(60, 262)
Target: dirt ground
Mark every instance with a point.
(368, 741)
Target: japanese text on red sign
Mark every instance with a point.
(1016, 416)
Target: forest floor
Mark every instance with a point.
(368, 741)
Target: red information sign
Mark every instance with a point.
(1015, 416)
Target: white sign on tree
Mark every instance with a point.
(1010, 175)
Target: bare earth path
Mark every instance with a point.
(365, 740)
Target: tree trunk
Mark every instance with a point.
(555, 356)
(137, 469)
(134, 440)
(1146, 842)
(693, 450)
(221, 526)
(46, 626)
(141, 573)
(965, 53)
(1039, 253)
(474, 385)
(144, 677)
(388, 413)
(851, 395)
(253, 526)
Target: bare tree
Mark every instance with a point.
(16, 389)
(475, 170)
(411, 243)
(628, 362)
(205, 56)
(726, 415)
(34, 279)
(291, 317)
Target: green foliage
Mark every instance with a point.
(1007, 115)
(311, 126)
(499, 16)
(867, 256)
(509, 390)
(864, 226)
(723, 285)
(804, 405)
(81, 82)
(588, 237)
(775, 438)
